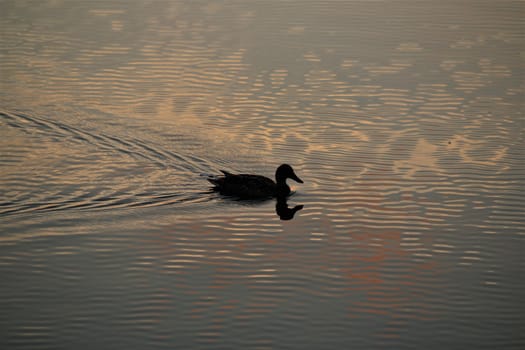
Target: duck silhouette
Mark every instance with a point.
(248, 186)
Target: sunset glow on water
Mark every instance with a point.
(404, 119)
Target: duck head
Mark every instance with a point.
(284, 172)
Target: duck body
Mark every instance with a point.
(248, 186)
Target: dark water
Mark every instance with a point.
(404, 119)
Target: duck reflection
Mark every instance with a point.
(284, 211)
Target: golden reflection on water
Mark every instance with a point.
(421, 159)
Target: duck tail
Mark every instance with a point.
(214, 181)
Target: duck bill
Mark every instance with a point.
(296, 178)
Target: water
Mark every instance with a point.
(403, 118)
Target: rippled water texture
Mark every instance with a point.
(403, 118)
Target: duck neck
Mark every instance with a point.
(282, 188)
(280, 179)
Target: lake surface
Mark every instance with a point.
(403, 118)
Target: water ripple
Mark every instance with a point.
(62, 194)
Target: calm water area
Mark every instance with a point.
(403, 118)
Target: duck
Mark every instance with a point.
(248, 186)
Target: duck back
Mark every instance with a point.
(245, 185)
